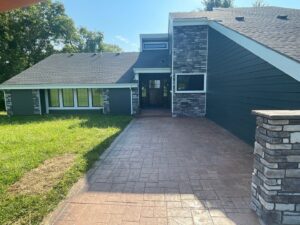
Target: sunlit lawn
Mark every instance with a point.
(26, 142)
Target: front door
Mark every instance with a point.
(155, 91)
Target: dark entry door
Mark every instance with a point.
(155, 91)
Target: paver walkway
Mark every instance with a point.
(168, 171)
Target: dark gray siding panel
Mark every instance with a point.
(239, 81)
(43, 101)
(119, 101)
(22, 102)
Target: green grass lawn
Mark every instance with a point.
(26, 142)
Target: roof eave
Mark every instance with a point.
(65, 86)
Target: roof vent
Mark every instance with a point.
(282, 17)
(118, 53)
(94, 54)
(240, 18)
(71, 55)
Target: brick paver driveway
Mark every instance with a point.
(167, 171)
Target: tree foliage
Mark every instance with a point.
(259, 3)
(30, 34)
(210, 4)
(111, 48)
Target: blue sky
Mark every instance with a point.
(122, 21)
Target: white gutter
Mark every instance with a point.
(152, 70)
(65, 86)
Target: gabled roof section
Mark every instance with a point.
(260, 24)
(89, 68)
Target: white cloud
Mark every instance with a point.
(131, 46)
(123, 39)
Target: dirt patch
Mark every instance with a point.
(44, 177)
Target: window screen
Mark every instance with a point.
(83, 97)
(53, 95)
(68, 98)
(97, 97)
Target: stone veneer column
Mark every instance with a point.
(190, 53)
(106, 107)
(8, 102)
(135, 100)
(276, 175)
(36, 102)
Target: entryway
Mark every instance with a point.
(155, 91)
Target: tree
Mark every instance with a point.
(210, 4)
(259, 3)
(31, 34)
(111, 48)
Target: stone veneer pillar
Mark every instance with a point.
(36, 98)
(8, 102)
(106, 107)
(190, 55)
(276, 176)
(135, 100)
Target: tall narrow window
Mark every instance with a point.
(97, 97)
(68, 97)
(53, 95)
(82, 97)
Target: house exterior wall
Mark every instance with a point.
(33, 102)
(189, 55)
(23, 102)
(135, 100)
(8, 102)
(120, 101)
(239, 81)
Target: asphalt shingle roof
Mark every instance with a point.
(90, 68)
(261, 24)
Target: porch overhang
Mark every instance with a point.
(151, 70)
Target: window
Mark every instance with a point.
(154, 83)
(97, 98)
(166, 88)
(68, 97)
(190, 83)
(83, 97)
(53, 97)
(144, 92)
(155, 45)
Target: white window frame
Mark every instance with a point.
(191, 74)
(76, 107)
(155, 42)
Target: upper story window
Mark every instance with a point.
(155, 45)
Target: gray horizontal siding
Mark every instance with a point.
(120, 101)
(239, 81)
(22, 102)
